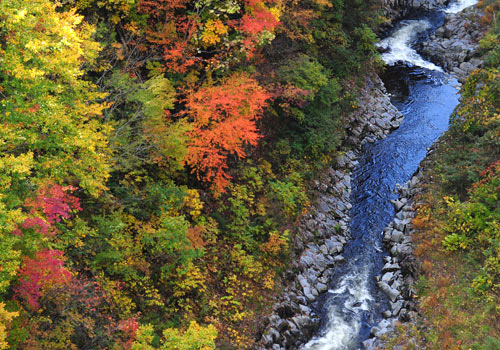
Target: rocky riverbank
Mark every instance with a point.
(398, 274)
(323, 232)
(455, 45)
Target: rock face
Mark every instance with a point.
(397, 9)
(454, 46)
(321, 235)
(375, 118)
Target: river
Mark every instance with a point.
(427, 97)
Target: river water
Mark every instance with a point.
(427, 97)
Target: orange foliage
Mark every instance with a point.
(181, 33)
(259, 21)
(224, 121)
(176, 31)
(195, 236)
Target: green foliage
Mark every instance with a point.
(304, 72)
(144, 131)
(171, 240)
(144, 338)
(290, 194)
(365, 39)
(474, 226)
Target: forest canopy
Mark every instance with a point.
(153, 157)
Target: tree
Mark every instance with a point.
(5, 318)
(45, 270)
(207, 33)
(223, 119)
(196, 337)
(51, 117)
(53, 203)
(49, 110)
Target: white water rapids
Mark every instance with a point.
(349, 300)
(399, 45)
(342, 333)
(460, 5)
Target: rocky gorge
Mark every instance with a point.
(398, 274)
(324, 232)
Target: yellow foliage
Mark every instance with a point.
(246, 263)
(276, 12)
(193, 203)
(196, 337)
(49, 108)
(269, 279)
(5, 318)
(144, 338)
(18, 166)
(326, 3)
(190, 281)
(214, 30)
(276, 244)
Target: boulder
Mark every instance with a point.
(388, 290)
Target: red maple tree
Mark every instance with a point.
(224, 122)
(44, 271)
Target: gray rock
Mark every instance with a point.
(396, 307)
(369, 344)
(324, 249)
(387, 314)
(305, 309)
(396, 284)
(388, 290)
(341, 161)
(334, 247)
(398, 205)
(338, 258)
(396, 235)
(467, 67)
(268, 339)
(309, 295)
(303, 281)
(321, 287)
(274, 334)
(311, 275)
(293, 328)
(306, 260)
(387, 276)
(390, 267)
